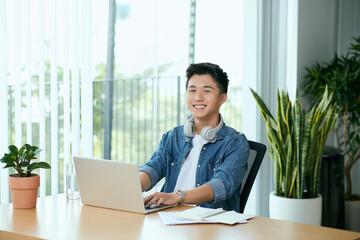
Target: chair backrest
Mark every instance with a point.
(257, 152)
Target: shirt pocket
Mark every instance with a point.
(213, 164)
(171, 160)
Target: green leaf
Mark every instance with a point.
(28, 147)
(22, 156)
(21, 150)
(288, 166)
(13, 149)
(37, 150)
(38, 165)
(34, 148)
(23, 164)
(261, 104)
(305, 152)
(13, 157)
(7, 159)
(9, 165)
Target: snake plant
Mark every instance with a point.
(296, 140)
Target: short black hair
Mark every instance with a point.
(219, 76)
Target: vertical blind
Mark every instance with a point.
(48, 66)
(4, 197)
(45, 68)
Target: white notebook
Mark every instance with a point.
(213, 215)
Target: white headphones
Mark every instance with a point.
(208, 133)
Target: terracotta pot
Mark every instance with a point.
(24, 191)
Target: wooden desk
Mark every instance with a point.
(57, 218)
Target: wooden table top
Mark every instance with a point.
(57, 218)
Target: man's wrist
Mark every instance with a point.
(182, 195)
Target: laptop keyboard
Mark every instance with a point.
(153, 206)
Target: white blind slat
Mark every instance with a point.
(42, 96)
(66, 88)
(75, 106)
(28, 73)
(54, 103)
(17, 73)
(86, 82)
(4, 193)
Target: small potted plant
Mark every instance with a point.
(24, 184)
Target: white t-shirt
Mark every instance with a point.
(186, 178)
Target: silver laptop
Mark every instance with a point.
(111, 184)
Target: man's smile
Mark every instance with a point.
(199, 106)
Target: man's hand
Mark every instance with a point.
(197, 195)
(162, 198)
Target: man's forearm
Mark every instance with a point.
(145, 181)
(199, 195)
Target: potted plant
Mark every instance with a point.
(296, 139)
(342, 76)
(24, 184)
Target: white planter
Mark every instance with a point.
(296, 210)
(352, 215)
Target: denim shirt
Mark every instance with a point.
(222, 164)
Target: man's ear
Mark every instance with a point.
(223, 98)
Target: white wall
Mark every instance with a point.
(348, 24)
(317, 34)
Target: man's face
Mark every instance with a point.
(203, 97)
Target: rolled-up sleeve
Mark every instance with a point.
(218, 188)
(156, 166)
(152, 173)
(229, 173)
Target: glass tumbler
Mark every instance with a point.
(72, 188)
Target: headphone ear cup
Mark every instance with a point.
(208, 133)
(189, 129)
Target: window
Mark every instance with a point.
(53, 75)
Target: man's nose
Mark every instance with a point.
(199, 96)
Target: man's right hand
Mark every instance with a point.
(159, 198)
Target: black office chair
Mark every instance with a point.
(257, 152)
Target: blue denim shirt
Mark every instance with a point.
(222, 164)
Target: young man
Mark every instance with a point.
(203, 161)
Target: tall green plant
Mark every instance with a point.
(342, 76)
(296, 139)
